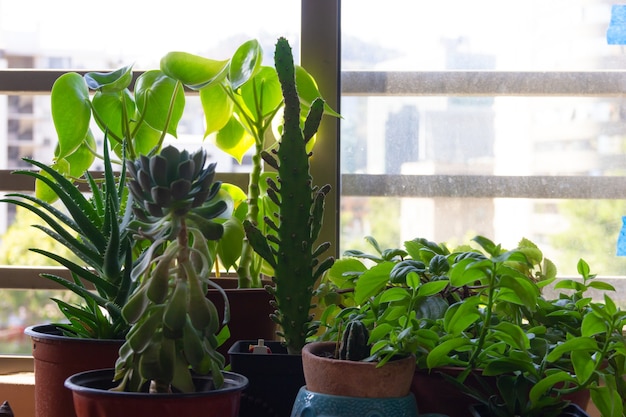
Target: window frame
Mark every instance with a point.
(320, 54)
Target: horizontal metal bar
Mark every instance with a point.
(483, 186)
(10, 182)
(457, 186)
(483, 83)
(405, 83)
(28, 278)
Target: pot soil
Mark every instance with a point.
(326, 375)
(93, 398)
(56, 357)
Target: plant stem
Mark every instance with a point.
(487, 320)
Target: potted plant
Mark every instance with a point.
(175, 329)
(373, 356)
(288, 245)
(485, 319)
(240, 99)
(94, 229)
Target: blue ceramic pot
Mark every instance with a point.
(313, 404)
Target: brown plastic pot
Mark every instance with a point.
(56, 357)
(434, 394)
(325, 375)
(93, 398)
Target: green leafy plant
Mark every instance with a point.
(240, 99)
(175, 327)
(290, 245)
(240, 108)
(481, 308)
(93, 228)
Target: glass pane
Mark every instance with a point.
(565, 230)
(483, 136)
(73, 34)
(87, 34)
(481, 34)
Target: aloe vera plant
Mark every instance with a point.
(94, 228)
(175, 328)
(289, 246)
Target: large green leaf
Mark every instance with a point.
(343, 268)
(217, 106)
(439, 355)
(308, 90)
(245, 63)
(82, 158)
(109, 109)
(160, 101)
(262, 95)
(71, 112)
(114, 81)
(372, 281)
(234, 139)
(230, 244)
(461, 315)
(192, 70)
(592, 325)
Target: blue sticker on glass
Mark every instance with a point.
(621, 239)
(616, 33)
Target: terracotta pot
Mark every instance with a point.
(56, 357)
(434, 394)
(250, 311)
(93, 398)
(326, 375)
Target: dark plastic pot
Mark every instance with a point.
(250, 311)
(275, 379)
(56, 357)
(93, 398)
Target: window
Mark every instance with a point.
(490, 117)
(455, 121)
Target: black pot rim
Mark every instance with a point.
(233, 382)
(52, 332)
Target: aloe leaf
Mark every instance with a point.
(99, 282)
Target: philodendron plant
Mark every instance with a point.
(240, 98)
(175, 328)
(290, 245)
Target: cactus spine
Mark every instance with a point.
(289, 248)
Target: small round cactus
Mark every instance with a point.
(354, 345)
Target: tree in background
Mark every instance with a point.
(21, 308)
(592, 235)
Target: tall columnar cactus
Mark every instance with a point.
(289, 247)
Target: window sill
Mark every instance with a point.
(19, 390)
